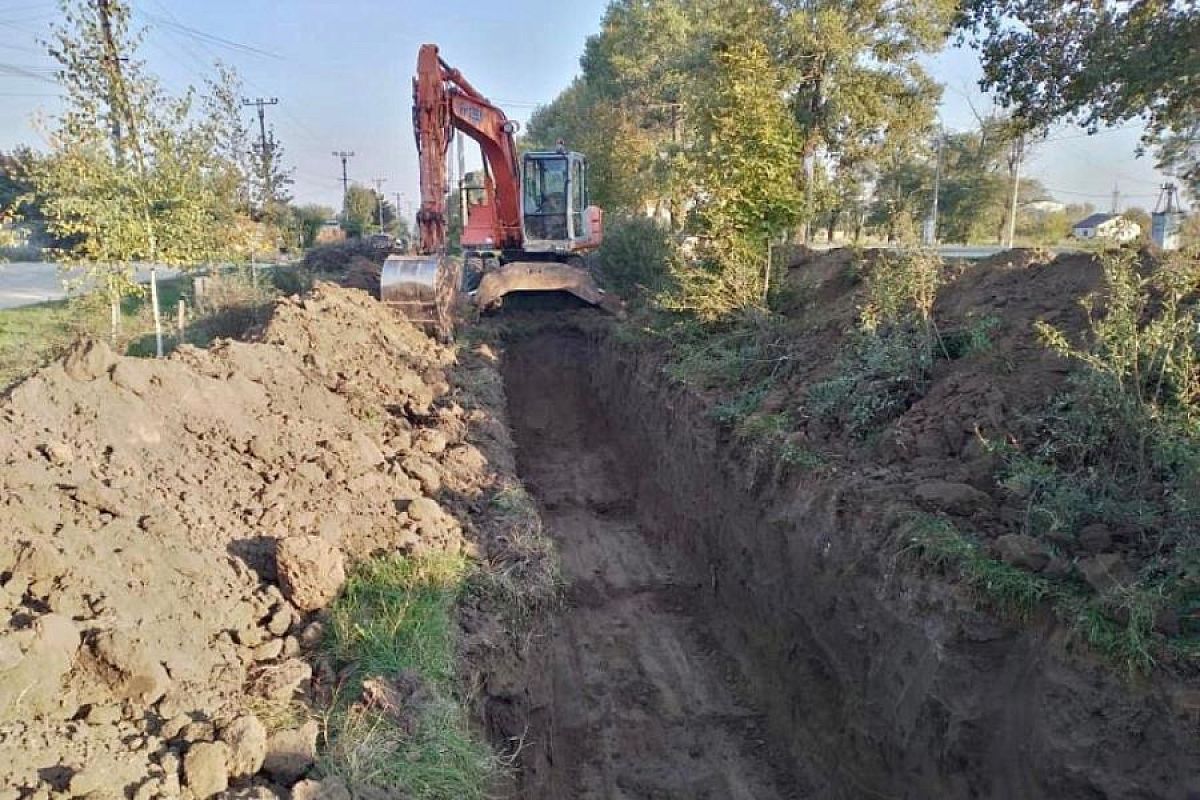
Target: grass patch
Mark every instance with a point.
(1012, 591)
(394, 624)
(1118, 625)
(522, 577)
(32, 336)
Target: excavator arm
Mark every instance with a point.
(444, 101)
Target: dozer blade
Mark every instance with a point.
(423, 289)
(543, 276)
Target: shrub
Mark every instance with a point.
(637, 256)
(884, 366)
(334, 258)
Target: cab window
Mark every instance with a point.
(546, 197)
(578, 198)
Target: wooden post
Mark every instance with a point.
(158, 339)
(114, 300)
(181, 311)
(767, 278)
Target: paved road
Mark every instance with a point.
(969, 252)
(23, 283)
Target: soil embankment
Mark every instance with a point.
(874, 678)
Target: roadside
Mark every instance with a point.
(233, 302)
(24, 283)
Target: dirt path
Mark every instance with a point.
(636, 704)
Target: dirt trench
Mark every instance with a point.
(724, 639)
(630, 696)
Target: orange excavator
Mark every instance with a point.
(527, 221)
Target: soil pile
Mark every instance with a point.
(170, 526)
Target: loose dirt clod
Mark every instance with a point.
(311, 570)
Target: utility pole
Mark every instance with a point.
(379, 182)
(931, 226)
(345, 156)
(1116, 203)
(1018, 155)
(261, 104)
(400, 208)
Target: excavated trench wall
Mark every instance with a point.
(889, 684)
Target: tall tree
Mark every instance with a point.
(362, 211)
(131, 175)
(1098, 63)
(743, 162)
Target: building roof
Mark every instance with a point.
(1095, 220)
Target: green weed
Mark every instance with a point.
(396, 618)
(1119, 625)
(1014, 592)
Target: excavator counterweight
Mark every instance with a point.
(527, 220)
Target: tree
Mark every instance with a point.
(859, 92)
(131, 175)
(361, 215)
(743, 161)
(308, 221)
(1179, 153)
(1096, 63)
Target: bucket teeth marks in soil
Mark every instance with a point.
(636, 704)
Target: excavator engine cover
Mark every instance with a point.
(423, 289)
(542, 276)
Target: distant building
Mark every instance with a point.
(1112, 227)
(1166, 222)
(331, 231)
(1046, 206)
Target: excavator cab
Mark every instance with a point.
(556, 214)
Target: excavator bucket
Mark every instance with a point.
(542, 276)
(423, 289)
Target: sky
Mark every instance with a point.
(341, 72)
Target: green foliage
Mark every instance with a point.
(1049, 60)
(1013, 591)
(973, 340)
(849, 79)
(395, 621)
(637, 257)
(878, 376)
(361, 215)
(1119, 626)
(308, 221)
(884, 366)
(1121, 447)
(749, 350)
(132, 174)
(743, 163)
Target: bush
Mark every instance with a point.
(884, 367)
(1121, 446)
(335, 258)
(636, 257)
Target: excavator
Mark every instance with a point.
(526, 223)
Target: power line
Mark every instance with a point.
(210, 38)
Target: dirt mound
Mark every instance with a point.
(145, 623)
